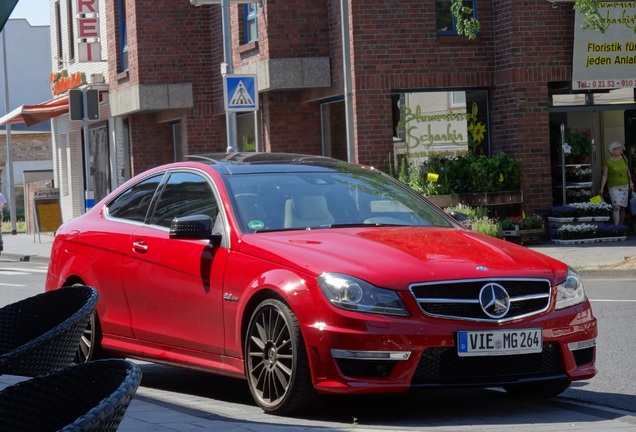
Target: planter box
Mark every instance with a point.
(491, 198)
(521, 236)
(443, 200)
(593, 240)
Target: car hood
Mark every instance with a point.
(397, 256)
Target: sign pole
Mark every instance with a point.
(230, 116)
(89, 197)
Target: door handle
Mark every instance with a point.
(139, 246)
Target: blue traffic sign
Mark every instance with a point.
(240, 93)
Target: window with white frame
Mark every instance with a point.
(122, 63)
(250, 22)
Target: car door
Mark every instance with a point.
(174, 286)
(102, 246)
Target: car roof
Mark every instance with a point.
(250, 162)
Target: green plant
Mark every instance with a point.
(473, 213)
(494, 173)
(468, 25)
(580, 144)
(468, 173)
(248, 145)
(523, 222)
(488, 227)
(466, 22)
(591, 17)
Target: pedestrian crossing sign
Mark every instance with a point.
(240, 92)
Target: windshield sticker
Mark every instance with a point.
(256, 225)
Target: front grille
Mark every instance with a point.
(460, 299)
(365, 368)
(442, 366)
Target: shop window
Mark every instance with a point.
(333, 119)
(446, 22)
(446, 121)
(122, 64)
(250, 22)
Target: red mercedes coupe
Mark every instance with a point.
(310, 276)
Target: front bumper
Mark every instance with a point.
(382, 354)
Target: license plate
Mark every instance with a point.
(499, 342)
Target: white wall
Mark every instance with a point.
(28, 58)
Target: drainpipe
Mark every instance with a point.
(346, 64)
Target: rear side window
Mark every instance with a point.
(133, 203)
(184, 194)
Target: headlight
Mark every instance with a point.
(570, 292)
(347, 292)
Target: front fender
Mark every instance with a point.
(238, 305)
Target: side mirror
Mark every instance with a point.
(462, 218)
(195, 227)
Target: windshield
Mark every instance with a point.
(304, 200)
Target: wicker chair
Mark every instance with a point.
(41, 334)
(92, 396)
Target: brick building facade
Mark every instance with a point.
(298, 59)
(163, 92)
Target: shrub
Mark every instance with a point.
(487, 226)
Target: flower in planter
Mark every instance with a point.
(509, 223)
(563, 211)
(523, 222)
(611, 230)
(576, 232)
(579, 175)
(578, 195)
(588, 209)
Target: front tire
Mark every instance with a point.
(276, 363)
(90, 344)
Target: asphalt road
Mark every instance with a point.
(606, 402)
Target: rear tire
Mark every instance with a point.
(539, 390)
(276, 363)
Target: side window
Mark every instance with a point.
(134, 202)
(184, 194)
(446, 22)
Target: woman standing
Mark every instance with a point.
(618, 180)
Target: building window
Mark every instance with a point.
(250, 22)
(58, 36)
(71, 33)
(122, 64)
(446, 22)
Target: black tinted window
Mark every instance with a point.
(184, 194)
(134, 202)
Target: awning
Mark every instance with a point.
(6, 7)
(33, 114)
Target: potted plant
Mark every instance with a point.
(578, 174)
(606, 232)
(562, 213)
(576, 232)
(524, 227)
(588, 211)
(579, 146)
